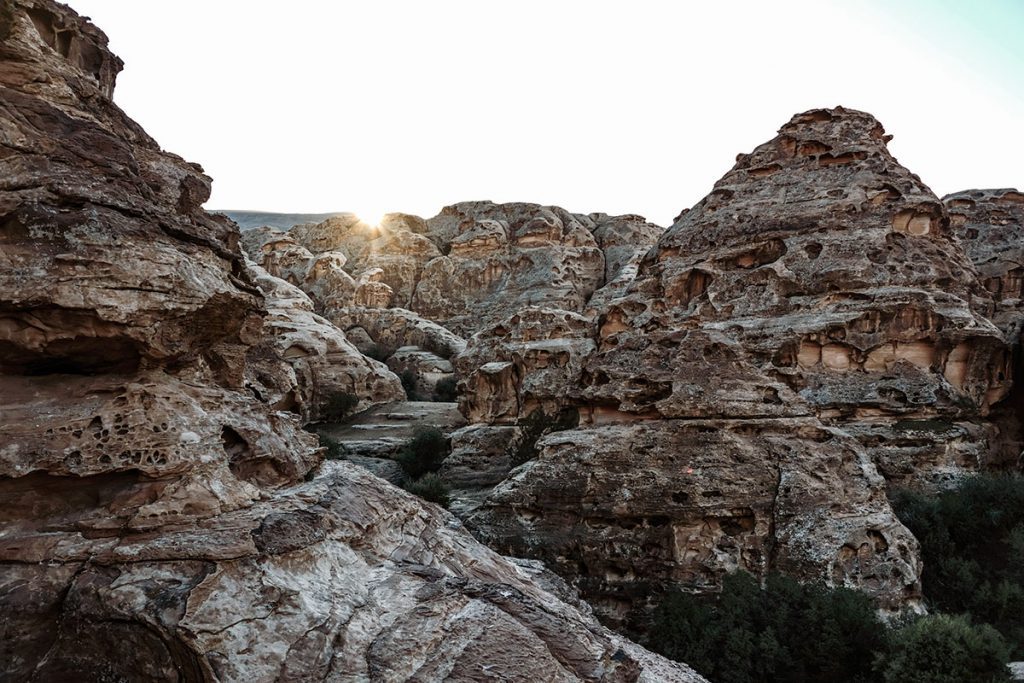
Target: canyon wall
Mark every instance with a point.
(805, 337)
(165, 516)
(655, 408)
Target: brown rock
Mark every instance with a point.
(304, 359)
(524, 364)
(156, 522)
(818, 288)
(397, 327)
(425, 367)
(503, 257)
(629, 510)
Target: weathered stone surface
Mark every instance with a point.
(341, 578)
(474, 264)
(504, 257)
(481, 457)
(629, 510)
(832, 266)
(322, 276)
(817, 294)
(990, 226)
(161, 519)
(397, 327)
(304, 359)
(395, 251)
(524, 364)
(426, 368)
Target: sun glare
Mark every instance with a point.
(372, 217)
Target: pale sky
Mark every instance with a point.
(621, 107)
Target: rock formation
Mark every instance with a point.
(813, 321)
(165, 517)
(303, 359)
(467, 268)
(990, 225)
(817, 314)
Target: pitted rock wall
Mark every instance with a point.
(164, 515)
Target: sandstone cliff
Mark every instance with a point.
(811, 325)
(467, 268)
(165, 517)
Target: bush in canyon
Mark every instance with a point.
(944, 648)
(972, 547)
(338, 406)
(429, 487)
(446, 390)
(409, 382)
(335, 449)
(786, 631)
(424, 453)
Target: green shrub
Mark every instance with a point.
(424, 452)
(409, 381)
(785, 632)
(972, 547)
(338, 406)
(430, 487)
(537, 424)
(944, 649)
(446, 389)
(379, 352)
(335, 449)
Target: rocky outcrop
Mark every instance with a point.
(469, 267)
(303, 359)
(810, 324)
(165, 517)
(396, 250)
(503, 257)
(425, 368)
(524, 364)
(627, 510)
(341, 578)
(321, 276)
(990, 225)
(397, 327)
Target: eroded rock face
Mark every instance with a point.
(164, 516)
(469, 267)
(812, 322)
(342, 578)
(303, 359)
(833, 267)
(425, 368)
(990, 225)
(396, 252)
(629, 510)
(397, 327)
(523, 364)
(322, 276)
(503, 257)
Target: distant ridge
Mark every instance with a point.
(247, 220)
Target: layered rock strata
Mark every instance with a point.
(467, 268)
(165, 517)
(817, 294)
(990, 226)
